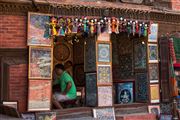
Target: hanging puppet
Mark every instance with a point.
(114, 23)
(137, 27)
(68, 26)
(92, 26)
(99, 28)
(133, 28)
(109, 26)
(140, 25)
(117, 26)
(61, 23)
(53, 25)
(75, 25)
(145, 30)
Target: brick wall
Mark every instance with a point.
(13, 31)
(176, 5)
(18, 85)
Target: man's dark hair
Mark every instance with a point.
(60, 66)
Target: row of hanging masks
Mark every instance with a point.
(63, 26)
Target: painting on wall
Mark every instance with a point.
(124, 92)
(105, 96)
(38, 30)
(153, 73)
(153, 36)
(154, 91)
(40, 63)
(103, 54)
(46, 116)
(155, 109)
(104, 113)
(141, 84)
(91, 89)
(153, 53)
(139, 56)
(39, 96)
(104, 74)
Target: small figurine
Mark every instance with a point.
(61, 31)
(68, 26)
(114, 23)
(53, 24)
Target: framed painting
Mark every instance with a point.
(46, 116)
(153, 36)
(38, 30)
(105, 97)
(153, 53)
(91, 89)
(106, 113)
(154, 93)
(28, 116)
(104, 75)
(139, 55)
(103, 52)
(39, 95)
(141, 87)
(153, 73)
(40, 63)
(155, 109)
(124, 92)
(13, 104)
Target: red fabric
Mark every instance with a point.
(177, 65)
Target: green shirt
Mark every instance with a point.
(63, 80)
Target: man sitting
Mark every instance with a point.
(67, 86)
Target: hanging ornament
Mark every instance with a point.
(114, 22)
(137, 27)
(92, 26)
(117, 26)
(61, 23)
(75, 25)
(145, 30)
(53, 24)
(68, 26)
(140, 25)
(109, 26)
(133, 28)
(98, 28)
(47, 31)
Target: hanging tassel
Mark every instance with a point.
(133, 28)
(114, 25)
(46, 32)
(109, 26)
(137, 27)
(140, 25)
(117, 26)
(98, 28)
(54, 24)
(75, 26)
(92, 26)
(145, 30)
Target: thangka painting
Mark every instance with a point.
(103, 52)
(153, 53)
(139, 56)
(105, 96)
(104, 74)
(104, 113)
(38, 30)
(153, 36)
(39, 95)
(141, 87)
(40, 63)
(124, 92)
(154, 91)
(153, 73)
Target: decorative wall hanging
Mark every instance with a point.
(141, 84)
(40, 63)
(105, 97)
(39, 31)
(104, 113)
(124, 92)
(139, 55)
(91, 89)
(153, 36)
(104, 75)
(154, 93)
(153, 53)
(153, 73)
(39, 95)
(103, 54)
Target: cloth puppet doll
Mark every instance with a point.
(92, 26)
(53, 24)
(137, 27)
(114, 23)
(140, 25)
(99, 28)
(145, 30)
(134, 28)
(61, 31)
(109, 26)
(117, 27)
(75, 25)
(68, 26)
